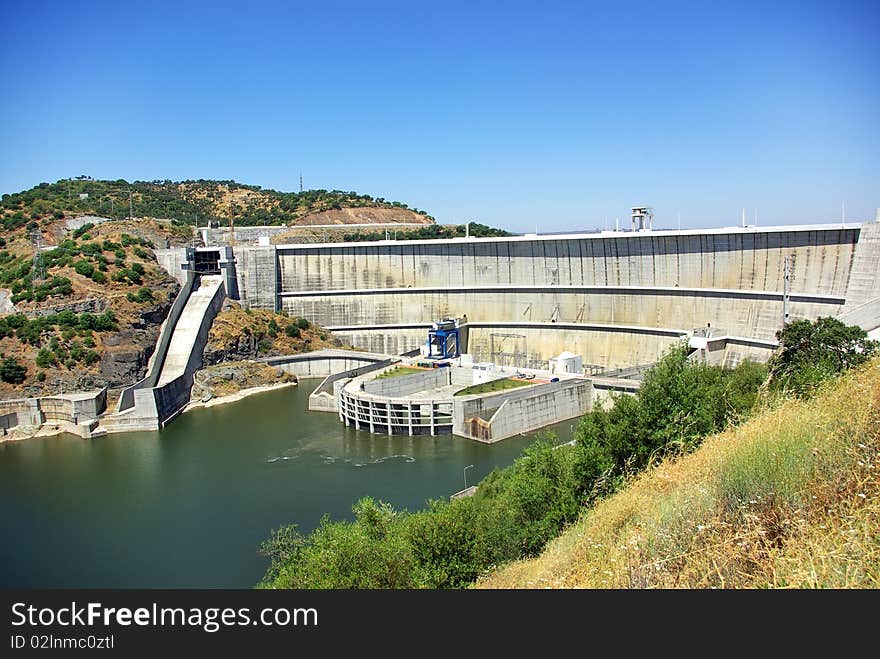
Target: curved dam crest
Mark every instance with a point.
(618, 299)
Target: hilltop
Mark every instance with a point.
(199, 202)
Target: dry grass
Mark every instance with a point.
(790, 499)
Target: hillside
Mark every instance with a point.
(87, 313)
(198, 202)
(790, 499)
(90, 315)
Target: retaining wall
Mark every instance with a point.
(521, 410)
(402, 385)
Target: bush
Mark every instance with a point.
(12, 372)
(143, 295)
(84, 268)
(99, 277)
(302, 323)
(679, 403)
(45, 358)
(812, 352)
(85, 228)
(292, 331)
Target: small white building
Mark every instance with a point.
(483, 372)
(567, 362)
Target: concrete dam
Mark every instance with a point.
(616, 298)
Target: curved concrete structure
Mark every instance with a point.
(615, 298)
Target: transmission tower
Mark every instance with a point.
(37, 270)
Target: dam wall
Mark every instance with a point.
(615, 298)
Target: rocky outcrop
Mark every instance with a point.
(244, 346)
(229, 378)
(127, 352)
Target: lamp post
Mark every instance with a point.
(465, 475)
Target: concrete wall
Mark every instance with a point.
(520, 410)
(257, 273)
(734, 258)
(403, 385)
(323, 398)
(381, 296)
(743, 313)
(864, 282)
(172, 261)
(78, 408)
(321, 363)
(157, 359)
(530, 345)
(147, 406)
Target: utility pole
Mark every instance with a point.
(130, 206)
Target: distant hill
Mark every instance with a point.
(192, 202)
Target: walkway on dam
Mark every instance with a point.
(186, 330)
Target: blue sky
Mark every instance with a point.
(549, 115)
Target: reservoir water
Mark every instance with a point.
(187, 507)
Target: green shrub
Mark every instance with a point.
(85, 228)
(12, 372)
(45, 358)
(292, 331)
(143, 295)
(302, 323)
(84, 268)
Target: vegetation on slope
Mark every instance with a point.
(188, 202)
(789, 499)
(238, 333)
(94, 282)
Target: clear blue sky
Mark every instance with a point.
(555, 115)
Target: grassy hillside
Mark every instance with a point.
(789, 499)
(188, 202)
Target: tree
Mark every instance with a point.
(813, 351)
(12, 372)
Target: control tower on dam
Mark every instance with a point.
(615, 298)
